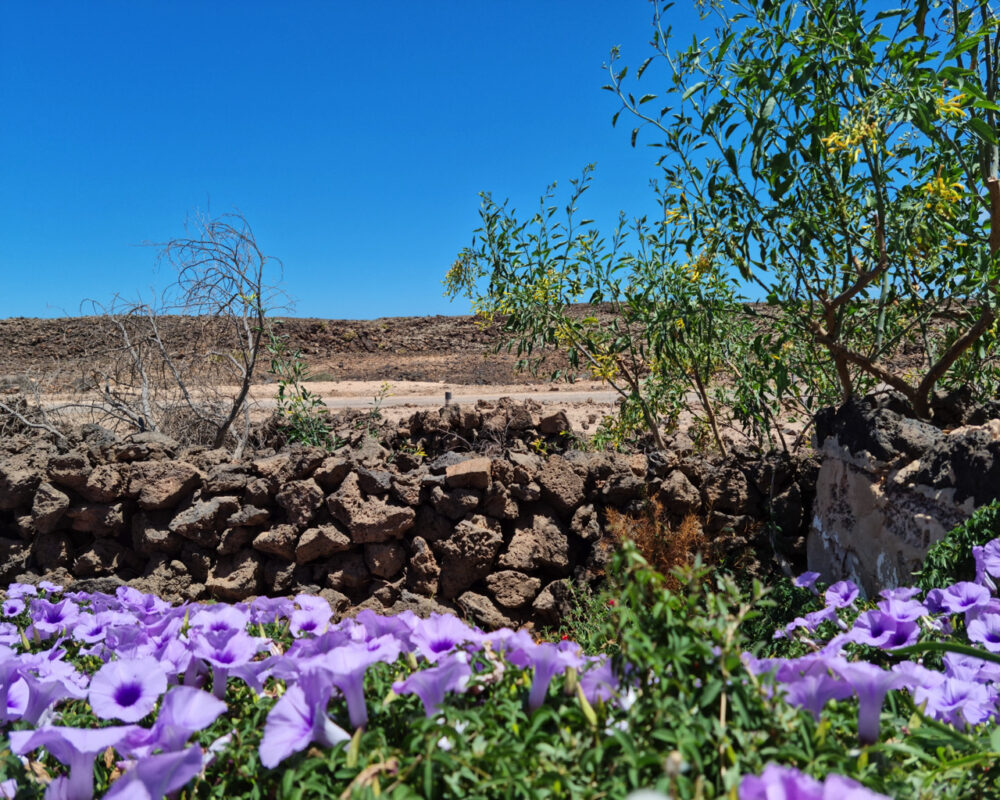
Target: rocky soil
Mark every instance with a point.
(57, 354)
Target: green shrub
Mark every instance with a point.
(950, 560)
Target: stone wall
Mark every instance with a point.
(497, 539)
(890, 486)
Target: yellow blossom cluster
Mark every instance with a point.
(950, 108)
(853, 135)
(699, 268)
(941, 197)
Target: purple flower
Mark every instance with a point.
(991, 558)
(298, 719)
(220, 618)
(547, 659)
(439, 634)
(870, 684)
(982, 576)
(345, 668)
(265, 610)
(780, 783)
(970, 668)
(311, 617)
(878, 629)
(902, 609)
(48, 618)
(224, 649)
(807, 580)
(841, 594)
(985, 630)
(813, 691)
(957, 701)
(157, 776)
(127, 689)
(786, 783)
(73, 747)
(13, 606)
(184, 711)
(599, 681)
(958, 598)
(21, 590)
(451, 673)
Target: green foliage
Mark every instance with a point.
(950, 560)
(840, 158)
(300, 411)
(837, 159)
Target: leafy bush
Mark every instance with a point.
(301, 413)
(841, 160)
(951, 559)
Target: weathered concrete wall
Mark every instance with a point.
(889, 487)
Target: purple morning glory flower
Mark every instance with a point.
(983, 578)
(184, 711)
(157, 776)
(957, 701)
(265, 610)
(547, 659)
(21, 590)
(807, 580)
(345, 668)
(878, 629)
(139, 603)
(48, 619)
(73, 747)
(903, 609)
(127, 689)
(599, 681)
(813, 691)
(958, 598)
(224, 649)
(220, 618)
(870, 684)
(439, 634)
(298, 719)
(991, 558)
(787, 783)
(400, 625)
(13, 606)
(311, 617)
(985, 630)
(780, 783)
(451, 673)
(970, 668)
(48, 586)
(841, 594)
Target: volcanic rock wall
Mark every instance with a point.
(498, 539)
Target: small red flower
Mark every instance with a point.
(565, 636)
(611, 602)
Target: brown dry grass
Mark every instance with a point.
(663, 545)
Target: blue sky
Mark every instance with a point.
(354, 136)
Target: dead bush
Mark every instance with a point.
(662, 544)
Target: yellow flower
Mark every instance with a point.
(951, 108)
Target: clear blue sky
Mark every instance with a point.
(354, 136)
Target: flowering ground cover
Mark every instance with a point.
(125, 696)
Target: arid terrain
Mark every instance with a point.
(421, 358)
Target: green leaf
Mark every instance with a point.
(692, 89)
(646, 98)
(982, 130)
